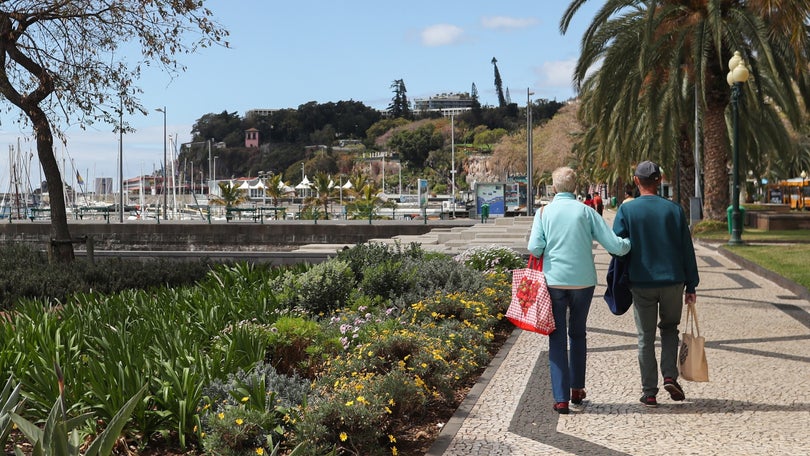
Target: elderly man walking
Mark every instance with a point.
(663, 273)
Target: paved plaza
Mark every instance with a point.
(757, 401)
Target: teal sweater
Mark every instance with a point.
(563, 232)
(663, 253)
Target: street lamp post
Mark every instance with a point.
(453, 163)
(165, 176)
(737, 76)
(801, 191)
(529, 166)
(214, 175)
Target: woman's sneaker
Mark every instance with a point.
(577, 395)
(649, 401)
(561, 408)
(674, 389)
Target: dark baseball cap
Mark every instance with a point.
(648, 170)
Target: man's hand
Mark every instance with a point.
(690, 298)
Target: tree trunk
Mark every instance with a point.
(61, 242)
(686, 160)
(715, 162)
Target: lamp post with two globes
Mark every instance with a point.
(737, 76)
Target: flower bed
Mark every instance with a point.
(347, 356)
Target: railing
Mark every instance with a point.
(253, 213)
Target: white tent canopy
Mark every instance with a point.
(259, 185)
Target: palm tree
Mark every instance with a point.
(323, 186)
(660, 59)
(368, 199)
(229, 196)
(275, 188)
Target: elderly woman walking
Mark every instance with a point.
(563, 233)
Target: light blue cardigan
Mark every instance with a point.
(563, 232)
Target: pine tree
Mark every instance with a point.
(399, 107)
(498, 84)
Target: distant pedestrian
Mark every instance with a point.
(598, 204)
(663, 274)
(589, 201)
(628, 196)
(563, 233)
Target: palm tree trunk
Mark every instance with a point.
(715, 171)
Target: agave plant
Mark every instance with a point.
(10, 402)
(60, 435)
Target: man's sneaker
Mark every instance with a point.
(649, 401)
(577, 395)
(561, 408)
(674, 389)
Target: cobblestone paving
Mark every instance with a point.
(757, 401)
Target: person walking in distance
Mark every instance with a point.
(563, 233)
(663, 274)
(598, 204)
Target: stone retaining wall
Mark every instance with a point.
(193, 236)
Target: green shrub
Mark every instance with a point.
(438, 274)
(27, 273)
(320, 290)
(250, 410)
(288, 345)
(388, 279)
(362, 256)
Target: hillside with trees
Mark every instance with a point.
(347, 138)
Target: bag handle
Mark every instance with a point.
(692, 320)
(536, 262)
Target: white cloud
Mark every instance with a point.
(441, 35)
(558, 73)
(504, 22)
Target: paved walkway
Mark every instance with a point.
(757, 402)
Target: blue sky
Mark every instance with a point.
(284, 54)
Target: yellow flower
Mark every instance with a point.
(392, 439)
(343, 436)
(245, 399)
(202, 434)
(349, 403)
(259, 450)
(394, 451)
(220, 415)
(239, 421)
(392, 402)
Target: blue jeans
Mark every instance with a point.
(659, 307)
(568, 366)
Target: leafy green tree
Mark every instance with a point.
(414, 146)
(667, 52)
(485, 139)
(219, 127)
(61, 64)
